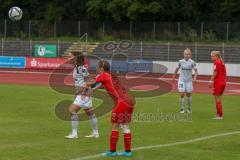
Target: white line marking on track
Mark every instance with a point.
(48, 73)
(168, 144)
(238, 91)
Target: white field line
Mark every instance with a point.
(168, 144)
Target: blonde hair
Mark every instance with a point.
(188, 51)
(217, 54)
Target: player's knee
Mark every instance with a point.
(71, 110)
(189, 95)
(182, 95)
(74, 117)
(89, 112)
(115, 127)
(218, 98)
(125, 128)
(92, 116)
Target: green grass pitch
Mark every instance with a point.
(29, 129)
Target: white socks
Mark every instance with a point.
(182, 103)
(94, 124)
(74, 124)
(189, 102)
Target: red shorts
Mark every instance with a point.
(218, 89)
(122, 113)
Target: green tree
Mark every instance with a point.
(125, 10)
(118, 9)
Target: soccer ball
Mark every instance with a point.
(15, 13)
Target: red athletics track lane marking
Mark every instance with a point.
(41, 77)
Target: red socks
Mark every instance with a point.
(113, 140)
(127, 141)
(219, 108)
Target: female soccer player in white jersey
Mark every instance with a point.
(81, 101)
(185, 66)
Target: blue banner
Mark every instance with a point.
(12, 62)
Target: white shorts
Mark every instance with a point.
(185, 86)
(83, 101)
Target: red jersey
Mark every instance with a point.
(114, 88)
(220, 69)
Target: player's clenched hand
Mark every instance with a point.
(194, 79)
(210, 84)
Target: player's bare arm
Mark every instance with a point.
(195, 74)
(175, 73)
(91, 83)
(212, 78)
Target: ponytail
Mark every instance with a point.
(217, 54)
(104, 65)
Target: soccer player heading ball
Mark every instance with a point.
(121, 112)
(218, 81)
(185, 66)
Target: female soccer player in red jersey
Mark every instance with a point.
(218, 81)
(121, 112)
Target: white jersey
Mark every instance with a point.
(186, 68)
(79, 74)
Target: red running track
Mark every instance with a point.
(41, 77)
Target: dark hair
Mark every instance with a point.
(80, 61)
(104, 65)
